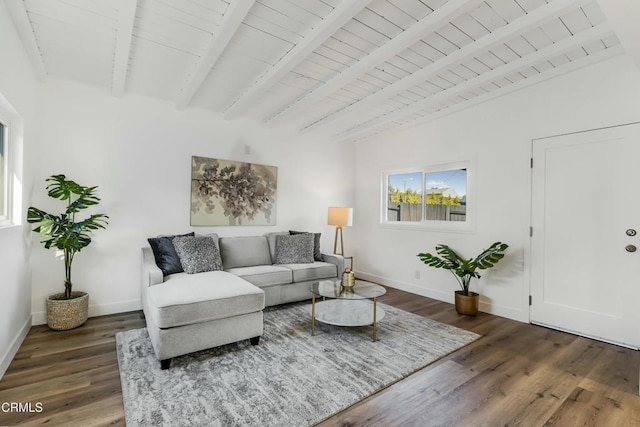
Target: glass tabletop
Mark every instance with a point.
(334, 289)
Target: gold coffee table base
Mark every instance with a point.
(346, 312)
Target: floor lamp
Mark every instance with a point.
(340, 217)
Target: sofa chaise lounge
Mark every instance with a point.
(192, 312)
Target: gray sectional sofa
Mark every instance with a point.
(192, 312)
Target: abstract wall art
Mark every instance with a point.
(227, 192)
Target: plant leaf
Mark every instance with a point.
(465, 269)
(452, 258)
(489, 257)
(432, 261)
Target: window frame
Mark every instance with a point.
(6, 203)
(13, 158)
(467, 226)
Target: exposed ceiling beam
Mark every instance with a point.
(400, 43)
(231, 21)
(623, 16)
(549, 52)
(497, 37)
(124, 33)
(569, 67)
(336, 19)
(22, 23)
(564, 69)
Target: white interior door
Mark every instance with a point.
(585, 208)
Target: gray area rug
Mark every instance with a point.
(289, 379)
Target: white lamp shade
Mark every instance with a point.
(341, 217)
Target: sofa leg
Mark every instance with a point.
(164, 364)
(255, 340)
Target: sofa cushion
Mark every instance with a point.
(186, 299)
(165, 254)
(197, 254)
(244, 251)
(317, 253)
(294, 249)
(264, 275)
(315, 271)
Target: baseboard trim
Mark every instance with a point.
(407, 287)
(485, 306)
(40, 317)
(7, 358)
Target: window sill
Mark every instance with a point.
(448, 227)
(8, 226)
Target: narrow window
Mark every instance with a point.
(3, 171)
(11, 127)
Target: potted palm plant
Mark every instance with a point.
(464, 270)
(69, 309)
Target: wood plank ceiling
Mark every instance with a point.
(346, 69)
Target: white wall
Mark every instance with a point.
(498, 135)
(138, 151)
(18, 101)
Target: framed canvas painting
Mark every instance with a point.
(227, 192)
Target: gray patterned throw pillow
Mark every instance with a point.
(294, 249)
(198, 254)
(317, 253)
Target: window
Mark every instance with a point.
(3, 172)
(445, 193)
(432, 196)
(404, 197)
(11, 131)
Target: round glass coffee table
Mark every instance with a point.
(342, 306)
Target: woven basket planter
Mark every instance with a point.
(64, 314)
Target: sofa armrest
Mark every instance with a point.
(151, 274)
(337, 260)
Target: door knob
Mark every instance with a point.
(630, 248)
(631, 232)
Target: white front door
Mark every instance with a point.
(585, 275)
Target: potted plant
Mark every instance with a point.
(464, 270)
(64, 232)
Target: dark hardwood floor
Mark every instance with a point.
(516, 374)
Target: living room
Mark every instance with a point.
(137, 149)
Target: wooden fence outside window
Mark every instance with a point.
(412, 212)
